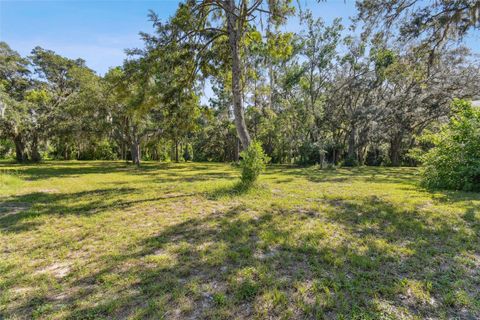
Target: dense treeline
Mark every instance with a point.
(326, 94)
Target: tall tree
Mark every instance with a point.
(319, 49)
(433, 22)
(198, 24)
(15, 111)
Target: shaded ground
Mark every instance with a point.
(94, 240)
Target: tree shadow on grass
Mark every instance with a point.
(232, 190)
(445, 196)
(18, 213)
(472, 218)
(439, 246)
(237, 189)
(24, 208)
(60, 169)
(380, 260)
(340, 175)
(173, 177)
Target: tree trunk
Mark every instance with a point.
(272, 84)
(124, 151)
(176, 150)
(34, 154)
(237, 150)
(132, 152)
(234, 39)
(395, 145)
(361, 155)
(20, 155)
(65, 153)
(352, 155)
(138, 155)
(135, 149)
(270, 68)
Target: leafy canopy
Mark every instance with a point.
(454, 162)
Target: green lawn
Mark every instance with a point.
(94, 240)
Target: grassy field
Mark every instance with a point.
(94, 240)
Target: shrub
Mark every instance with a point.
(247, 290)
(7, 148)
(253, 162)
(104, 151)
(454, 161)
(350, 162)
(219, 299)
(188, 153)
(310, 153)
(100, 150)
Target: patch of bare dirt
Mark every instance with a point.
(72, 293)
(49, 191)
(21, 291)
(59, 270)
(266, 254)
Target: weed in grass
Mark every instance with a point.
(220, 299)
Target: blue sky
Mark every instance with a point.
(99, 31)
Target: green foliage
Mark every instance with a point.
(454, 162)
(310, 153)
(253, 162)
(427, 23)
(247, 285)
(6, 148)
(350, 162)
(319, 95)
(103, 150)
(247, 290)
(188, 152)
(219, 299)
(9, 180)
(383, 59)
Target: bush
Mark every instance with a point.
(350, 162)
(101, 150)
(310, 153)
(454, 161)
(7, 149)
(253, 162)
(188, 153)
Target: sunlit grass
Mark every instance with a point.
(90, 240)
(9, 182)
